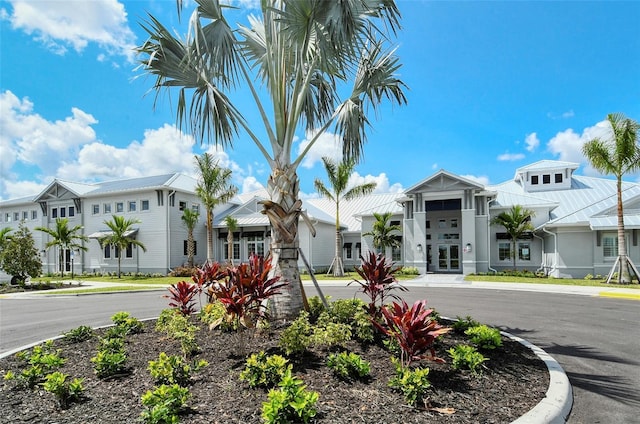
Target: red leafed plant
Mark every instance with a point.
(379, 281)
(181, 296)
(244, 290)
(413, 329)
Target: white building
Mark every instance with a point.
(444, 220)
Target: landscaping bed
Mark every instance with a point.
(511, 383)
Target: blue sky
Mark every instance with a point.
(492, 86)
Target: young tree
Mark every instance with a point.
(517, 222)
(121, 236)
(617, 155)
(213, 188)
(190, 220)
(338, 174)
(64, 238)
(303, 55)
(232, 225)
(4, 239)
(19, 257)
(384, 235)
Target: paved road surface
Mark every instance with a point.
(596, 340)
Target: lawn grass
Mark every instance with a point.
(538, 280)
(125, 279)
(95, 290)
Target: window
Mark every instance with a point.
(610, 246)
(236, 249)
(16, 216)
(144, 205)
(185, 247)
(132, 206)
(182, 205)
(25, 215)
(442, 223)
(129, 252)
(454, 223)
(72, 211)
(7, 217)
(428, 224)
(396, 253)
(172, 200)
(160, 196)
(119, 207)
(524, 251)
(534, 180)
(546, 179)
(34, 214)
(196, 208)
(54, 212)
(504, 251)
(255, 244)
(95, 209)
(107, 251)
(107, 208)
(558, 178)
(63, 212)
(348, 253)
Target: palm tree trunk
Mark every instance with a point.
(230, 247)
(61, 261)
(624, 275)
(283, 211)
(515, 253)
(209, 236)
(190, 249)
(338, 268)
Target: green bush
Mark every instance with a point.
(331, 334)
(164, 404)
(65, 391)
(79, 334)
(178, 327)
(109, 364)
(214, 314)
(466, 357)
(291, 403)
(42, 359)
(316, 307)
(348, 366)
(172, 369)
(296, 338)
(484, 337)
(413, 383)
(126, 323)
(463, 324)
(262, 370)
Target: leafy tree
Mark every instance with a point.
(384, 234)
(516, 221)
(213, 188)
(190, 220)
(617, 155)
(65, 238)
(121, 236)
(19, 257)
(4, 239)
(296, 59)
(339, 174)
(232, 225)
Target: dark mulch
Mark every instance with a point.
(513, 382)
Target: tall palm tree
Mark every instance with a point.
(121, 236)
(232, 225)
(296, 59)
(516, 221)
(384, 234)
(339, 174)
(190, 220)
(213, 188)
(617, 155)
(64, 238)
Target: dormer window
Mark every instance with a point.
(558, 178)
(534, 180)
(546, 179)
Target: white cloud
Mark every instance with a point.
(328, 145)
(434, 166)
(482, 179)
(510, 157)
(381, 180)
(568, 114)
(63, 24)
(532, 142)
(567, 144)
(564, 115)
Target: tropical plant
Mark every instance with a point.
(65, 391)
(379, 281)
(413, 383)
(348, 365)
(181, 296)
(517, 222)
(190, 220)
(79, 334)
(232, 226)
(121, 236)
(303, 54)
(213, 188)
(338, 189)
(466, 357)
(4, 237)
(413, 329)
(64, 238)
(484, 336)
(19, 257)
(173, 369)
(291, 403)
(262, 370)
(164, 404)
(617, 155)
(384, 234)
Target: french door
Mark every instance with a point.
(448, 257)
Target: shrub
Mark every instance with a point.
(331, 334)
(296, 338)
(181, 296)
(262, 370)
(409, 270)
(413, 328)
(466, 357)
(348, 366)
(126, 323)
(290, 403)
(484, 337)
(111, 344)
(463, 324)
(352, 312)
(413, 383)
(178, 327)
(79, 334)
(379, 281)
(316, 307)
(164, 404)
(184, 271)
(42, 359)
(65, 391)
(172, 369)
(214, 314)
(589, 277)
(109, 364)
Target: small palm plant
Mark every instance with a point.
(122, 236)
(517, 222)
(64, 238)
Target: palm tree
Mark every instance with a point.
(121, 236)
(190, 220)
(232, 225)
(303, 55)
(213, 188)
(338, 179)
(617, 155)
(384, 235)
(5, 236)
(517, 222)
(65, 238)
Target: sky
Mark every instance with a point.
(492, 86)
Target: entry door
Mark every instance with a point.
(448, 257)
